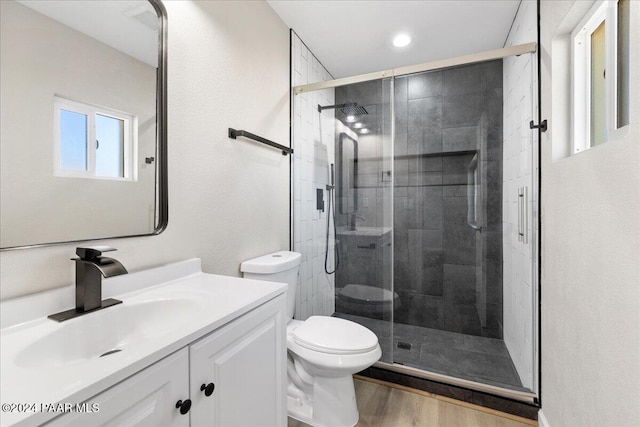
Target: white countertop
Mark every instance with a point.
(219, 300)
(364, 231)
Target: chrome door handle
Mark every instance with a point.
(522, 215)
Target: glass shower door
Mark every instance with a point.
(449, 230)
(364, 286)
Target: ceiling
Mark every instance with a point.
(355, 37)
(129, 26)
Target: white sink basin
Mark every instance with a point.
(106, 332)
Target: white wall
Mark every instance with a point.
(590, 252)
(314, 147)
(228, 199)
(519, 156)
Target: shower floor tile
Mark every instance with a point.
(475, 358)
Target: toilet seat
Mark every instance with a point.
(365, 294)
(332, 335)
(317, 359)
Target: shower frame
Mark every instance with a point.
(528, 398)
(489, 55)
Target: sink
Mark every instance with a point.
(163, 310)
(107, 332)
(364, 231)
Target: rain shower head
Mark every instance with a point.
(341, 106)
(350, 109)
(354, 111)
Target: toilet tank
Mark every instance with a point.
(280, 267)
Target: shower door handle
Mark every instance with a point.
(522, 215)
(519, 214)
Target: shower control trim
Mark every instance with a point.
(320, 199)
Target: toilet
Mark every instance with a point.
(323, 352)
(365, 300)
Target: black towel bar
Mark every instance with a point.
(236, 133)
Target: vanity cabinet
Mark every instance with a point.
(147, 398)
(246, 363)
(234, 376)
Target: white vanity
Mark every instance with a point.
(184, 348)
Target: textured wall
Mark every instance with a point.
(228, 199)
(313, 153)
(590, 284)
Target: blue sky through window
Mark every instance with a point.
(73, 140)
(110, 152)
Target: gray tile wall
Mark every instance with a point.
(448, 275)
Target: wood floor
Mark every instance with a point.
(383, 405)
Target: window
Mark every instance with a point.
(93, 142)
(600, 74)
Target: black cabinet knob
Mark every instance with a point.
(184, 406)
(208, 389)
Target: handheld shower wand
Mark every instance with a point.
(331, 186)
(331, 189)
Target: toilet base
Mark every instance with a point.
(333, 403)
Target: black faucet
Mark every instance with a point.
(91, 267)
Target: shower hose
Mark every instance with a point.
(326, 253)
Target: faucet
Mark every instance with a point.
(91, 267)
(352, 221)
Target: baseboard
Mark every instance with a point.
(542, 420)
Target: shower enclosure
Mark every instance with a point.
(431, 241)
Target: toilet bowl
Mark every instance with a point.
(323, 352)
(365, 300)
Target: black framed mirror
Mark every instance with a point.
(83, 121)
(347, 160)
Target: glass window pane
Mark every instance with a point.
(109, 146)
(73, 140)
(623, 63)
(598, 75)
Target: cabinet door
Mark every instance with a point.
(147, 398)
(246, 362)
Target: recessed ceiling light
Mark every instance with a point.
(364, 130)
(351, 118)
(401, 40)
(357, 125)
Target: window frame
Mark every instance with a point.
(129, 148)
(602, 11)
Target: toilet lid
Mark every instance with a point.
(335, 336)
(366, 293)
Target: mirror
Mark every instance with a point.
(347, 173)
(83, 120)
